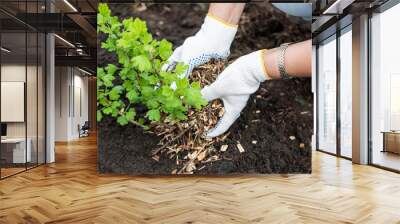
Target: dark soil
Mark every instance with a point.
(282, 129)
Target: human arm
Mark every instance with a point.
(212, 41)
(243, 77)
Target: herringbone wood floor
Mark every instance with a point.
(70, 191)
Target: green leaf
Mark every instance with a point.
(179, 115)
(122, 120)
(138, 26)
(180, 69)
(172, 103)
(108, 80)
(130, 114)
(193, 98)
(152, 103)
(151, 79)
(166, 91)
(154, 115)
(146, 38)
(111, 69)
(107, 110)
(147, 91)
(132, 96)
(115, 93)
(165, 49)
(142, 63)
(99, 115)
(104, 10)
(182, 83)
(128, 85)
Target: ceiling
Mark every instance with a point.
(74, 22)
(332, 15)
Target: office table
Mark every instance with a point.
(17, 150)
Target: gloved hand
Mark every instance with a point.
(234, 86)
(212, 41)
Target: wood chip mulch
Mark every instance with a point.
(186, 141)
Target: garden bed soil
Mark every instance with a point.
(276, 126)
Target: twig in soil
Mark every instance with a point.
(156, 151)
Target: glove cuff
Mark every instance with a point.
(216, 29)
(256, 65)
(263, 65)
(221, 21)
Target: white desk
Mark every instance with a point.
(19, 149)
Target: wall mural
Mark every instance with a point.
(153, 115)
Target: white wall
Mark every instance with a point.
(62, 81)
(70, 83)
(16, 73)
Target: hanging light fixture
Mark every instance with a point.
(70, 5)
(64, 40)
(5, 50)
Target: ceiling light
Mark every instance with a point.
(337, 7)
(5, 50)
(64, 40)
(84, 71)
(70, 5)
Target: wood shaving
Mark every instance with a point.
(240, 147)
(224, 148)
(186, 142)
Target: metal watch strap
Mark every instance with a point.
(281, 61)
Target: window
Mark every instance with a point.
(327, 95)
(385, 89)
(345, 92)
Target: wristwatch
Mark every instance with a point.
(281, 61)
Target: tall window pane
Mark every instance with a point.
(346, 92)
(385, 87)
(327, 95)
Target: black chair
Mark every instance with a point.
(84, 130)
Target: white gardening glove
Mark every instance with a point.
(212, 41)
(234, 86)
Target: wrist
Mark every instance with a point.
(228, 13)
(226, 21)
(271, 63)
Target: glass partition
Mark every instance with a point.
(14, 153)
(22, 77)
(346, 92)
(385, 89)
(327, 95)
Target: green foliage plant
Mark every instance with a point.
(137, 79)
